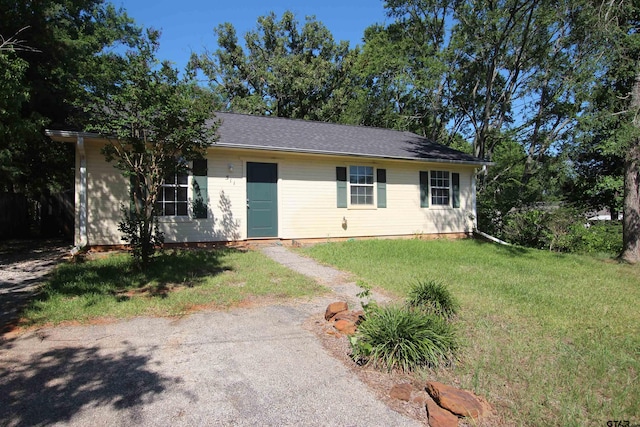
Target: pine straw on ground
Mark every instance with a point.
(380, 382)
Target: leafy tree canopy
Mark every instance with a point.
(284, 69)
(155, 122)
(62, 43)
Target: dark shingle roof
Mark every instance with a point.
(279, 134)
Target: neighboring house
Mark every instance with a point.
(602, 215)
(287, 179)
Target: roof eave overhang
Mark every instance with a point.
(478, 163)
(70, 136)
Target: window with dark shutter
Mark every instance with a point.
(381, 179)
(424, 189)
(200, 189)
(455, 189)
(341, 183)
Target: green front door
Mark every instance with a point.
(262, 200)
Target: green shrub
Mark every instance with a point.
(601, 236)
(395, 337)
(432, 297)
(526, 228)
(562, 230)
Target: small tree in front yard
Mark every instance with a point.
(154, 121)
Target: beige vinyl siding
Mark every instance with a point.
(107, 190)
(306, 199)
(308, 202)
(226, 216)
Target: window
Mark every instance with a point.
(172, 198)
(361, 185)
(439, 188)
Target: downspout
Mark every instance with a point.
(474, 208)
(477, 232)
(82, 197)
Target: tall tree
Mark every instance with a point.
(614, 113)
(13, 94)
(285, 71)
(154, 121)
(405, 70)
(65, 40)
(497, 72)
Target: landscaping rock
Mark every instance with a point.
(439, 417)
(401, 392)
(353, 316)
(420, 397)
(459, 402)
(347, 327)
(335, 308)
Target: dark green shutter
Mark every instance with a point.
(200, 189)
(341, 182)
(455, 188)
(424, 189)
(382, 187)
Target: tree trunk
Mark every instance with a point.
(631, 204)
(631, 220)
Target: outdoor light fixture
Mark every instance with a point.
(230, 167)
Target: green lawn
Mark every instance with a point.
(548, 339)
(177, 283)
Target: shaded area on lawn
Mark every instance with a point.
(55, 385)
(114, 274)
(176, 283)
(94, 288)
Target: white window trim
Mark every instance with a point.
(434, 187)
(356, 206)
(188, 186)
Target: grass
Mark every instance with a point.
(394, 337)
(177, 283)
(548, 339)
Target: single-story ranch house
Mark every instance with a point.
(275, 178)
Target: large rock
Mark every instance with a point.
(459, 402)
(439, 417)
(401, 392)
(335, 308)
(346, 327)
(353, 316)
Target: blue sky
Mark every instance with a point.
(187, 25)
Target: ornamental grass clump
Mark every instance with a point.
(434, 298)
(395, 337)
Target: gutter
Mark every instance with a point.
(334, 153)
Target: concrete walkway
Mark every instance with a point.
(240, 367)
(338, 281)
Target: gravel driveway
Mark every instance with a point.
(241, 367)
(23, 266)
